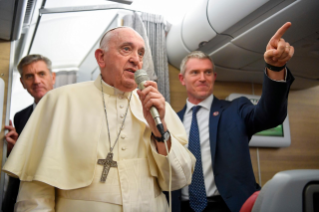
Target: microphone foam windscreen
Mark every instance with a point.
(140, 76)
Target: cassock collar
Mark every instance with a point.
(135, 105)
(108, 89)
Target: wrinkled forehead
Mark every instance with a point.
(195, 62)
(38, 65)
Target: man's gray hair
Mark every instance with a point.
(195, 54)
(31, 59)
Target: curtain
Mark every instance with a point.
(153, 29)
(64, 78)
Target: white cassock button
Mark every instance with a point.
(123, 148)
(121, 106)
(121, 116)
(122, 136)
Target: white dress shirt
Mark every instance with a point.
(203, 126)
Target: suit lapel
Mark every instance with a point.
(27, 115)
(21, 118)
(215, 113)
(181, 113)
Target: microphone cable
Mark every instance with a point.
(141, 77)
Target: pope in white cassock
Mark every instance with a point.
(94, 146)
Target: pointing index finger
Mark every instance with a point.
(281, 31)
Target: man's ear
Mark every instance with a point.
(21, 80)
(181, 78)
(215, 76)
(53, 78)
(99, 56)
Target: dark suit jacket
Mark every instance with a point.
(10, 198)
(21, 118)
(230, 131)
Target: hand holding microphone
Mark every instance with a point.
(153, 105)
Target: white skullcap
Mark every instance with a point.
(112, 30)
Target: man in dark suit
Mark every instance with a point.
(219, 131)
(38, 79)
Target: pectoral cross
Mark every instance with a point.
(107, 163)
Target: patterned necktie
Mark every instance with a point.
(197, 191)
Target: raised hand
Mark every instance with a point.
(11, 137)
(150, 96)
(278, 52)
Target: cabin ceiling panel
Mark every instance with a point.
(303, 25)
(304, 67)
(74, 3)
(256, 66)
(66, 38)
(9, 13)
(231, 56)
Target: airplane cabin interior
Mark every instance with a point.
(233, 33)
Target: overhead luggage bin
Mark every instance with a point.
(235, 35)
(176, 49)
(196, 28)
(224, 14)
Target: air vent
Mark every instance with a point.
(29, 12)
(19, 47)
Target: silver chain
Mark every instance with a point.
(107, 123)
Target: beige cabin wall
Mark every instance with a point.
(4, 75)
(303, 110)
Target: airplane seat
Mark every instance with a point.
(290, 191)
(249, 203)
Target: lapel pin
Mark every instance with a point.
(216, 113)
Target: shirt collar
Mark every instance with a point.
(206, 103)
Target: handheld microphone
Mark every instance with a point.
(141, 77)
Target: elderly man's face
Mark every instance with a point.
(199, 79)
(37, 79)
(124, 57)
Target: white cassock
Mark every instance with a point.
(56, 154)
